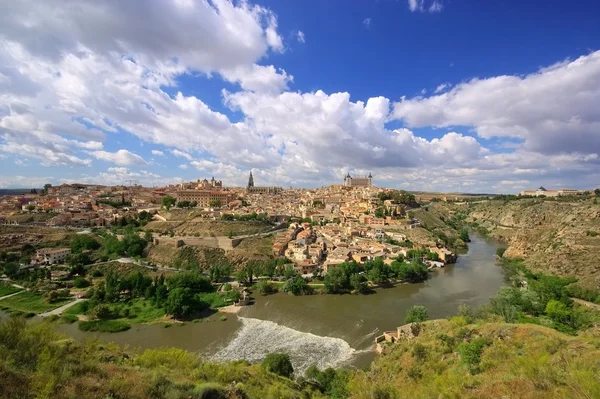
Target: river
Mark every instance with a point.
(327, 330)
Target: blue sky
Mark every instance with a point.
(462, 95)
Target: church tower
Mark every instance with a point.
(250, 181)
(370, 179)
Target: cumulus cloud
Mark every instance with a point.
(367, 22)
(300, 36)
(259, 78)
(66, 88)
(552, 111)
(121, 157)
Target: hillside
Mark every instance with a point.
(37, 362)
(449, 359)
(561, 238)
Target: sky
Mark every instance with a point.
(430, 95)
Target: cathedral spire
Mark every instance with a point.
(251, 180)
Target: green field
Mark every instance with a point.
(29, 302)
(6, 289)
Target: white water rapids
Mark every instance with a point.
(257, 338)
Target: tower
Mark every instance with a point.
(370, 177)
(348, 180)
(250, 181)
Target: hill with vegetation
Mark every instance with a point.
(560, 237)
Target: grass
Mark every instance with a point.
(137, 311)
(6, 289)
(69, 318)
(77, 309)
(111, 326)
(29, 302)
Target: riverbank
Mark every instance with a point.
(322, 329)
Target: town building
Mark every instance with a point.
(350, 181)
(205, 198)
(252, 189)
(52, 256)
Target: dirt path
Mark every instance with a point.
(61, 309)
(586, 303)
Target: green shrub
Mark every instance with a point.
(500, 252)
(80, 282)
(416, 314)
(470, 353)
(278, 363)
(111, 326)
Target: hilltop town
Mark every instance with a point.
(315, 229)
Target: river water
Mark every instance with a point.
(327, 330)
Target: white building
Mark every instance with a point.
(52, 256)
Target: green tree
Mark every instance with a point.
(265, 288)
(416, 314)
(180, 302)
(168, 202)
(81, 282)
(30, 207)
(597, 192)
(297, 286)
(278, 363)
(336, 281)
(215, 203)
(359, 283)
(558, 312)
(83, 242)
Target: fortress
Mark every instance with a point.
(350, 181)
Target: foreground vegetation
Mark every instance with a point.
(37, 362)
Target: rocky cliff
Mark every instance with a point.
(562, 238)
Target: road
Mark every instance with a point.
(58, 311)
(9, 295)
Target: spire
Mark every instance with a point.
(370, 175)
(250, 180)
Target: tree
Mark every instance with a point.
(416, 314)
(558, 312)
(189, 279)
(83, 242)
(46, 187)
(359, 283)
(168, 202)
(278, 363)
(297, 286)
(80, 282)
(265, 288)
(215, 203)
(180, 302)
(597, 192)
(30, 207)
(336, 281)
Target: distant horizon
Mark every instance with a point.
(302, 93)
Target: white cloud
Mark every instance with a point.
(441, 88)
(158, 153)
(121, 157)
(183, 166)
(182, 154)
(552, 111)
(423, 5)
(367, 22)
(206, 36)
(300, 36)
(259, 78)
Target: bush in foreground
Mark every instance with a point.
(278, 363)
